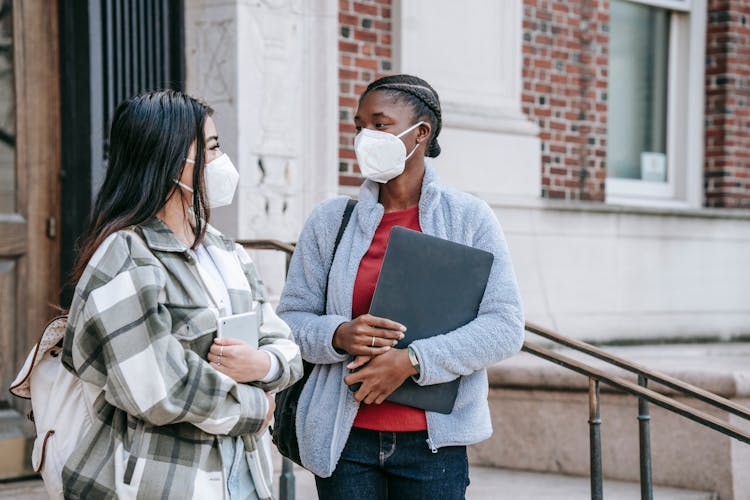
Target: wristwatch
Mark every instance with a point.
(413, 359)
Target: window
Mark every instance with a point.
(655, 102)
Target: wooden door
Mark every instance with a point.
(29, 200)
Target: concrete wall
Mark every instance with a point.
(609, 273)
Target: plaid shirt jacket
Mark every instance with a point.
(139, 330)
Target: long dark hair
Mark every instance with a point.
(149, 141)
(417, 94)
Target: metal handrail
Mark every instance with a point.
(287, 248)
(665, 402)
(644, 396)
(596, 376)
(661, 378)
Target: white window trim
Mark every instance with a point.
(685, 116)
(676, 5)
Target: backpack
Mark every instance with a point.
(284, 431)
(62, 405)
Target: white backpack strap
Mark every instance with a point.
(51, 336)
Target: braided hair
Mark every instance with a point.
(418, 94)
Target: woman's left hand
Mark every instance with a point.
(381, 376)
(238, 360)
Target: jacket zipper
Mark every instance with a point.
(431, 445)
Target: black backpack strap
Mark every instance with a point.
(344, 222)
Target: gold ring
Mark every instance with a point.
(221, 350)
(218, 362)
(373, 341)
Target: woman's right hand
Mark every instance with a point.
(367, 335)
(271, 408)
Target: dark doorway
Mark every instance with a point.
(129, 46)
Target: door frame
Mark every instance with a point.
(29, 236)
(37, 80)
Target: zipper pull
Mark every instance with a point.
(431, 445)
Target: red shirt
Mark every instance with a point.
(389, 417)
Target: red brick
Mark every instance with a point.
(726, 139)
(347, 19)
(365, 36)
(348, 47)
(348, 102)
(373, 46)
(345, 74)
(383, 51)
(362, 8)
(366, 63)
(555, 96)
(347, 153)
(348, 180)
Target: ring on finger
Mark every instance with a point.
(373, 341)
(218, 361)
(221, 350)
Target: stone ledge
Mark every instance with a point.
(723, 369)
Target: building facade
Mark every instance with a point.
(610, 137)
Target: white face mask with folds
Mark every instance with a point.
(221, 181)
(382, 156)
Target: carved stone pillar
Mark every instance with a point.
(268, 68)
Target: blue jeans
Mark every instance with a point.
(396, 465)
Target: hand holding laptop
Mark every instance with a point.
(433, 286)
(381, 376)
(367, 335)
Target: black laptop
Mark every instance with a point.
(432, 286)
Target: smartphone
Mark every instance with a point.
(239, 326)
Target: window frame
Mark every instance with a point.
(685, 116)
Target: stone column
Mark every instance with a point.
(489, 146)
(268, 68)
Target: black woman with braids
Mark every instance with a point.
(357, 444)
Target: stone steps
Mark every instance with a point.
(540, 419)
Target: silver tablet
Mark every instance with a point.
(240, 326)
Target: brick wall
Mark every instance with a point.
(364, 55)
(565, 92)
(727, 160)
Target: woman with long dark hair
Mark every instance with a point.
(180, 412)
(358, 444)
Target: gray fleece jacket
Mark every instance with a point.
(327, 408)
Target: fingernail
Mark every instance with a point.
(350, 365)
(395, 342)
(401, 336)
(387, 347)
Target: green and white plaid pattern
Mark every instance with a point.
(140, 327)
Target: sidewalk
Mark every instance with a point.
(486, 484)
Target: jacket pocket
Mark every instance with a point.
(194, 327)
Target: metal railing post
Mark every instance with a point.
(595, 440)
(287, 482)
(644, 438)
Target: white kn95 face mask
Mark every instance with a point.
(221, 181)
(381, 155)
